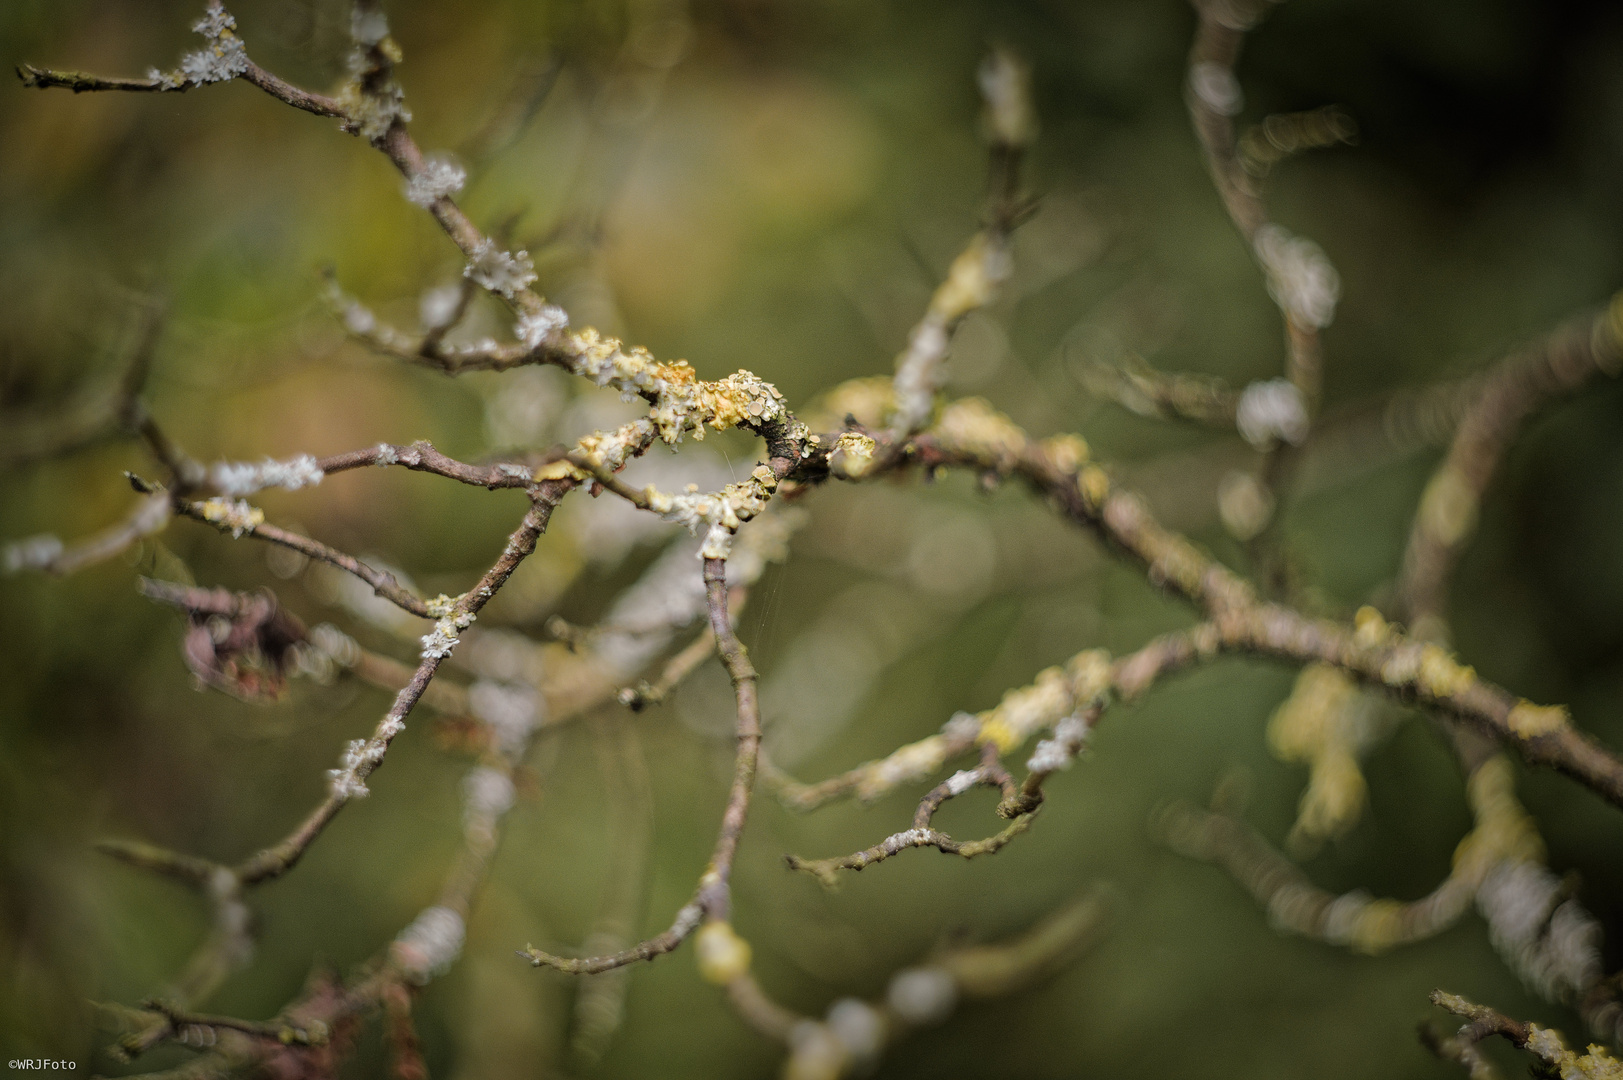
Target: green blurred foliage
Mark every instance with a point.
(785, 204)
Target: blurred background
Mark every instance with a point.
(777, 186)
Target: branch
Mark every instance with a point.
(1509, 394)
(1055, 695)
(1300, 279)
(241, 519)
(1503, 834)
(148, 517)
(986, 262)
(365, 755)
(1543, 1043)
(714, 899)
(99, 408)
(1376, 653)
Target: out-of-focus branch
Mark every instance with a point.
(1300, 278)
(1503, 833)
(683, 664)
(1512, 391)
(148, 517)
(1137, 386)
(971, 434)
(852, 1035)
(600, 1001)
(1069, 702)
(977, 273)
(98, 409)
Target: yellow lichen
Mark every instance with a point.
(1025, 711)
(1067, 453)
(740, 398)
(1370, 630)
(234, 516)
(1090, 673)
(1094, 483)
(1322, 725)
(852, 456)
(1597, 1064)
(906, 763)
(973, 279)
(868, 400)
(1379, 926)
(1503, 829)
(1448, 509)
(1530, 721)
(723, 956)
(1440, 674)
(562, 469)
(972, 425)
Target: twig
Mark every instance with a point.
(243, 520)
(713, 899)
(362, 759)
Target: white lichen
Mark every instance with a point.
(963, 726)
(910, 838)
(487, 794)
(345, 782)
(1300, 278)
(33, 553)
(1550, 941)
(1270, 411)
(509, 710)
(359, 758)
(535, 328)
(359, 320)
(1049, 756)
(1052, 755)
(431, 944)
(439, 178)
(221, 60)
(235, 478)
(368, 26)
(438, 643)
(922, 995)
(502, 272)
(371, 113)
(1215, 87)
(859, 1028)
(438, 306)
(962, 780)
